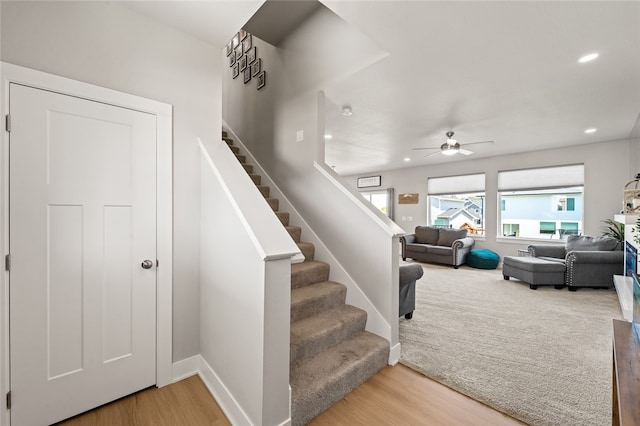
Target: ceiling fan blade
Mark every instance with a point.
(465, 151)
(418, 149)
(432, 154)
(477, 143)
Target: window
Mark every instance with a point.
(382, 199)
(457, 202)
(543, 203)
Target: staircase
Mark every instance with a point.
(331, 353)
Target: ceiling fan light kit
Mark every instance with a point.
(452, 147)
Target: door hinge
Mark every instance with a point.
(7, 263)
(9, 400)
(7, 123)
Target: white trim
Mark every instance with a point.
(394, 354)
(10, 73)
(234, 412)
(186, 368)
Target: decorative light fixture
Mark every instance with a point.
(450, 149)
(406, 159)
(346, 110)
(591, 130)
(327, 137)
(588, 58)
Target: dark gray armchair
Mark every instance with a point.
(409, 274)
(589, 261)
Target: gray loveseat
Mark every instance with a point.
(589, 261)
(437, 245)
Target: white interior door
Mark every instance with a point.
(82, 220)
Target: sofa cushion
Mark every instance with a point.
(440, 250)
(416, 248)
(448, 236)
(584, 242)
(426, 235)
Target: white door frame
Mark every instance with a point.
(10, 73)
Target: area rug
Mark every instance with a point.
(541, 356)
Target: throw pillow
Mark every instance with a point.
(448, 236)
(584, 242)
(426, 235)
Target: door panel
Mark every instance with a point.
(82, 219)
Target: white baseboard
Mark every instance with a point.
(394, 354)
(186, 368)
(197, 365)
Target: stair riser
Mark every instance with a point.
(308, 250)
(310, 276)
(264, 190)
(329, 299)
(274, 203)
(326, 391)
(295, 233)
(332, 332)
(283, 217)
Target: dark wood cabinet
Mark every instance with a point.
(626, 375)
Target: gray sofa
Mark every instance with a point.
(408, 275)
(438, 245)
(589, 261)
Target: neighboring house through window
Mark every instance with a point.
(541, 203)
(457, 202)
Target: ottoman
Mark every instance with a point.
(483, 259)
(534, 271)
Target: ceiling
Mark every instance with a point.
(505, 71)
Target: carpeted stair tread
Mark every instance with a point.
(229, 141)
(312, 335)
(283, 217)
(308, 272)
(257, 179)
(295, 232)
(316, 298)
(236, 151)
(248, 168)
(224, 134)
(307, 249)
(320, 381)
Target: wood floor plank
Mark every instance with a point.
(395, 396)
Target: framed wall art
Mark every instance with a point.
(236, 70)
(243, 63)
(256, 67)
(238, 52)
(369, 181)
(251, 55)
(247, 75)
(243, 34)
(235, 41)
(232, 58)
(229, 48)
(261, 80)
(247, 43)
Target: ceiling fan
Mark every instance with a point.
(451, 147)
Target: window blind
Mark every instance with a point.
(461, 184)
(546, 177)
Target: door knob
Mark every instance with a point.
(147, 264)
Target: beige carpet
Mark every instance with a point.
(543, 356)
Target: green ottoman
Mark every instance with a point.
(483, 259)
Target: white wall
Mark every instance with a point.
(606, 172)
(110, 46)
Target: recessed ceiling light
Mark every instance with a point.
(328, 137)
(346, 110)
(407, 159)
(588, 58)
(591, 130)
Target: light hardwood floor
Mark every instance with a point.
(395, 396)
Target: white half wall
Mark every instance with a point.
(108, 45)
